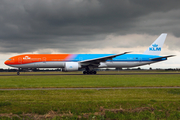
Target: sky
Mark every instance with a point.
(89, 26)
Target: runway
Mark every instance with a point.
(87, 88)
(23, 74)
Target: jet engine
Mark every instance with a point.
(71, 66)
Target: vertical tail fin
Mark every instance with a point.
(156, 46)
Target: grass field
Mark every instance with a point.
(89, 81)
(125, 104)
(90, 104)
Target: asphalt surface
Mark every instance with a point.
(89, 74)
(97, 88)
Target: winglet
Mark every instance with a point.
(156, 47)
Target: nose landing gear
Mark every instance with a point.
(18, 71)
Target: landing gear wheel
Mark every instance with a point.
(89, 72)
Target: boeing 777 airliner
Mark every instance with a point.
(73, 62)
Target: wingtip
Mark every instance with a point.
(127, 52)
(172, 55)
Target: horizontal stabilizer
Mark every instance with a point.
(162, 57)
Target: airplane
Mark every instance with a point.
(89, 62)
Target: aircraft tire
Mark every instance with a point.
(89, 72)
(84, 72)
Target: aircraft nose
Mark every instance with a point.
(6, 62)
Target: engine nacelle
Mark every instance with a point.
(71, 66)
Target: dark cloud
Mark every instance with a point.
(68, 25)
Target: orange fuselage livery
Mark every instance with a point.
(33, 58)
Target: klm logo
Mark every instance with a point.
(70, 67)
(26, 58)
(154, 48)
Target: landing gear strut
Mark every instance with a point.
(18, 71)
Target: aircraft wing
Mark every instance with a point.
(101, 59)
(158, 58)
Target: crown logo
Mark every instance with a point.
(154, 45)
(26, 58)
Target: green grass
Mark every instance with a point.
(161, 103)
(90, 104)
(89, 81)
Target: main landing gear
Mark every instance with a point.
(89, 72)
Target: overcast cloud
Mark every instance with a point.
(69, 26)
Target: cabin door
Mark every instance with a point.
(20, 60)
(44, 59)
(140, 59)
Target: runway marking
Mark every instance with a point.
(96, 88)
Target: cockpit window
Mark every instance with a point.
(9, 59)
